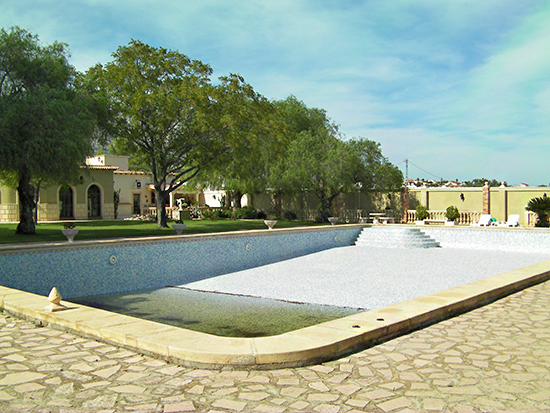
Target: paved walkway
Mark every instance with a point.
(496, 358)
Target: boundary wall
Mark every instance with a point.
(500, 202)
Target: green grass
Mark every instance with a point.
(89, 230)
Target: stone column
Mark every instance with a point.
(405, 204)
(486, 199)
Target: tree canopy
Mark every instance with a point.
(479, 182)
(47, 123)
(318, 160)
(168, 113)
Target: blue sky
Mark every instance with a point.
(461, 88)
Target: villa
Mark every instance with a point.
(93, 196)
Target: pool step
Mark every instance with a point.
(395, 238)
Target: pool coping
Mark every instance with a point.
(306, 346)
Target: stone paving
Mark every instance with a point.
(495, 358)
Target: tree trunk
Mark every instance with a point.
(278, 204)
(161, 197)
(237, 196)
(36, 199)
(326, 206)
(26, 204)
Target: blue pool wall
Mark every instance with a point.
(532, 240)
(107, 267)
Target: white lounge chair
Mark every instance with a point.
(513, 221)
(484, 221)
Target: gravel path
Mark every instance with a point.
(367, 277)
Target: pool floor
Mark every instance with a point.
(368, 277)
(218, 314)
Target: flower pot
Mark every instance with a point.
(333, 220)
(179, 228)
(70, 233)
(270, 223)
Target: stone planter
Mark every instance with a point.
(420, 222)
(179, 228)
(70, 233)
(270, 223)
(450, 223)
(333, 220)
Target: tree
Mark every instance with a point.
(247, 170)
(319, 161)
(47, 122)
(169, 115)
(371, 170)
(479, 182)
(541, 207)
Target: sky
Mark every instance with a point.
(459, 88)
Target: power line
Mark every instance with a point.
(423, 170)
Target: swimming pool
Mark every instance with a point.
(308, 345)
(90, 268)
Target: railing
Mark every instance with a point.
(466, 217)
(346, 215)
(171, 213)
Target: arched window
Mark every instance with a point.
(66, 206)
(94, 202)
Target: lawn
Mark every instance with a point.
(123, 229)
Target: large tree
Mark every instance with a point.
(247, 170)
(371, 169)
(170, 116)
(46, 122)
(319, 161)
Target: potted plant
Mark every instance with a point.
(69, 231)
(452, 214)
(270, 221)
(541, 207)
(421, 214)
(179, 226)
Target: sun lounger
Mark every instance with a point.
(513, 221)
(484, 221)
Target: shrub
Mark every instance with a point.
(215, 213)
(262, 215)
(421, 213)
(451, 213)
(246, 212)
(541, 207)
